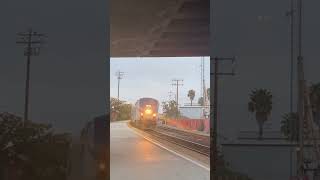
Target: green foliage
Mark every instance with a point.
(208, 93)
(170, 109)
(120, 109)
(35, 149)
(125, 112)
(115, 104)
(191, 95)
(223, 170)
(260, 103)
(290, 126)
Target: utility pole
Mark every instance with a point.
(204, 94)
(177, 83)
(291, 13)
(214, 120)
(300, 93)
(119, 75)
(32, 41)
(203, 86)
(201, 78)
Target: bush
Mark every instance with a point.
(36, 151)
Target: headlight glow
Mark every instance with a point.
(148, 111)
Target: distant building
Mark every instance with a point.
(194, 112)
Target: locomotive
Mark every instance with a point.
(94, 141)
(145, 113)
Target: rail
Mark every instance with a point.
(191, 136)
(193, 146)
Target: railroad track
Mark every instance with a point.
(194, 137)
(194, 146)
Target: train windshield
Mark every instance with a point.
(149, 103)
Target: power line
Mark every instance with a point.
(170, 95)
(177, 83)
(32, 42)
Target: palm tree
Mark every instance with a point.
(290, 126)
(261, 104)
(191, 95)
(315, 102)
(201, 101)
(170, 109)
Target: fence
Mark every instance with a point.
(190, 124)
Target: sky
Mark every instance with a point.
(257, 33)
(68, 81)
(152, 77)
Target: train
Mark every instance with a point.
(94, 132)
(145, 113)
(94, 141)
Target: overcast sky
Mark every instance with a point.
(152, 77)
(257, 32)
(69, 79)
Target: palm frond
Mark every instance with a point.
(260, 101)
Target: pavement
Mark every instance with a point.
(134, 158)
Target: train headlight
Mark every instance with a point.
(148, 111)
(154, 115)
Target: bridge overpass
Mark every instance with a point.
(159, 28)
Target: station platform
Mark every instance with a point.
(132, 157)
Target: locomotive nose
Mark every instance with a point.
(148, 111)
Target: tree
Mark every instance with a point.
(115, 108)
(125, 111)
(290, 126)
(191, 95)
(120, 110)
(200, 101)
(261, 104)
(315, 102)
(33, 149)
(115, 104)
(208, 93)
(170, 109)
